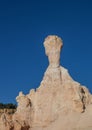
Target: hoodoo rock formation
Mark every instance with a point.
(59, 103)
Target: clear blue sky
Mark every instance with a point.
(23, 26)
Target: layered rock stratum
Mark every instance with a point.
(59, 103)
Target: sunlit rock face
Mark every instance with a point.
(53, 45)
(58, 103)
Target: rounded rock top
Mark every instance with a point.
(53, 40)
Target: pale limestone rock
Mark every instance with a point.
(24, 111)
(53, 46)
(6, 122)
(58, 103)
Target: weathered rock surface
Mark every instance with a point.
(59, 103)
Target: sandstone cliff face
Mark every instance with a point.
(59, 103)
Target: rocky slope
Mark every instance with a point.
(59, 103)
